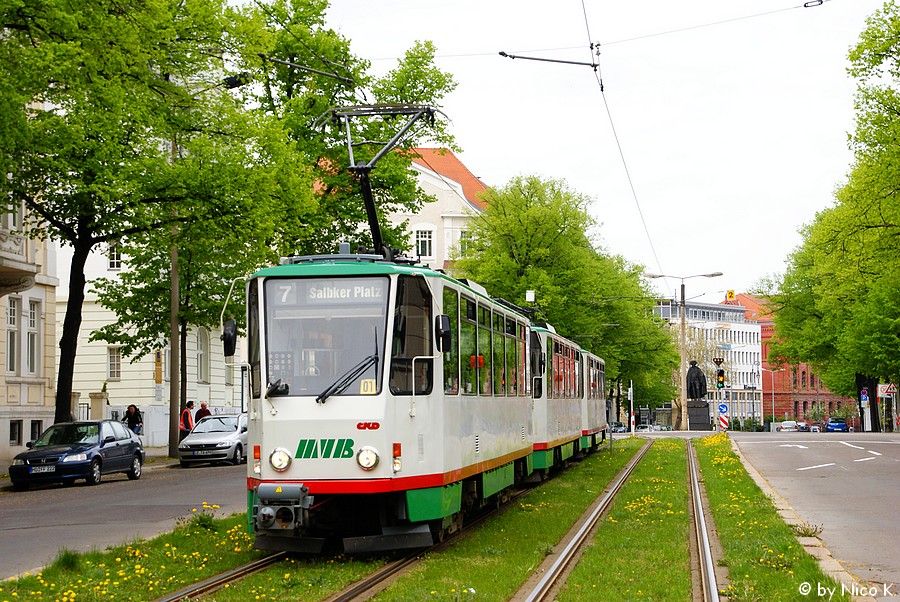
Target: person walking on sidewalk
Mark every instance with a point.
(133, 419)
(187, 420)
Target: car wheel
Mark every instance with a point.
(19, 486)
(96, 472)
(184, 464)
(135, 472)
(238, 454)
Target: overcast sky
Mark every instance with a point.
(721, 130)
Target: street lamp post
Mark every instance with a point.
(773, 388)
(682, 388)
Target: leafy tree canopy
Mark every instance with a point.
(835, 307)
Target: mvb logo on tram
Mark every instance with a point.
(324, 448)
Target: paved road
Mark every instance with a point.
(35, 524)
(846, 483)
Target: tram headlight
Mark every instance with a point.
(280, 459)
(367, 458)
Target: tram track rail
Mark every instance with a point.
(216, 582)
(709, 591)
(551, 579)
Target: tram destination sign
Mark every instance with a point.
(338, 291)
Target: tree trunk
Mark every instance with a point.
(68, 342)
(182, 342)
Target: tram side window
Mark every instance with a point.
(579, 375)
(412, 338)
(467, 347)
(451, 355)
(484, 351)
(538, 368)
(512, 368)
(253, 341)
(523, 374)
(499, 357)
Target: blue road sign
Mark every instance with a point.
(723, 408)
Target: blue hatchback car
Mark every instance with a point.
(78, 450)
(837, 425)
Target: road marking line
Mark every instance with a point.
(817, 466)
(850, 445)
(864, 459)
(874, 453)
(793, 445)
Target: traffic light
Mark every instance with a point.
(720, 379)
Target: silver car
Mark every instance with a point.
(216, 438)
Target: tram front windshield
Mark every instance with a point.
(323, 332)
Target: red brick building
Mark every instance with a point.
(790, 390)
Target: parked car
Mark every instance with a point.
(787, 426)
(814, 428)
(216, 438)
(617, 427)
(837, 425)
(802, 426)
(643, 428)
(85, 449)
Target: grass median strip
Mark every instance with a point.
(641, 548)
(764, 559)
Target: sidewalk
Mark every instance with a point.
(154, 457)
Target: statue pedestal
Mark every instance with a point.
(698, 414)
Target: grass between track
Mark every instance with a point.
(641, 549)
(640, 552)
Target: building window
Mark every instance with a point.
(37, 427)
(203, 355)
(114, 257)
(12, 217)
(12, 335)
(15, 432)
(32, 338)
(113, 363)
(424, 243)
(465, 241)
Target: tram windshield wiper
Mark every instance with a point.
(348, 377)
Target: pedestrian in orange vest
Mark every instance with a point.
(187, 420)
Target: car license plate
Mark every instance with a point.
(37, 469)
(203, 452)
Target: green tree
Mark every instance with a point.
(211, 256)
(115, 124)
(836, 308)
(534, 236)
(323, 74)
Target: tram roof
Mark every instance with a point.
(363, 265)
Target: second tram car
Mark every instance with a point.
(387, 399)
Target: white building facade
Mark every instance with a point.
(101, 367)
(439, 229)
(723, 331)
(28, 332)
